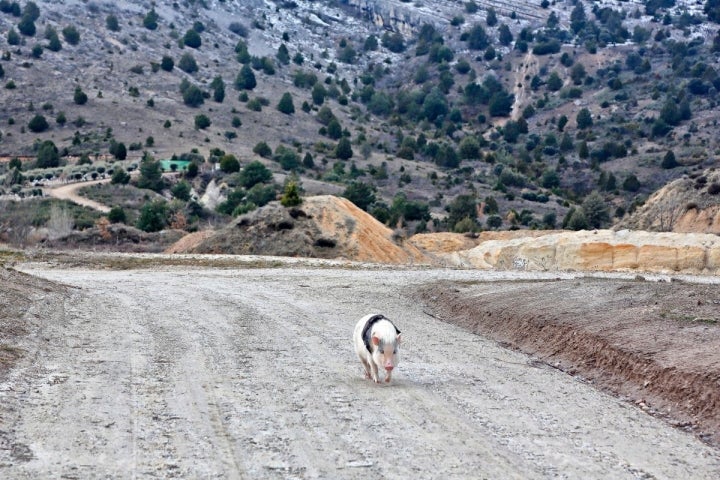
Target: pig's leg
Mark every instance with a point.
(374, 369)
(366, 366)
(388, 374)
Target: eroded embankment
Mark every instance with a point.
(655, 344)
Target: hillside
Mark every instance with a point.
(439, 116)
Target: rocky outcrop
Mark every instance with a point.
(690, 205)
(408, 17)
(394, 15)
(601, 250)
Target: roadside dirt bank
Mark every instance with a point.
(656, 344)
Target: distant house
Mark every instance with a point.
(174, 165)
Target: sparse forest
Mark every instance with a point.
(540, 115)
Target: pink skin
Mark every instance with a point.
(386, 355)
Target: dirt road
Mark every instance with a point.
(250, 373)
(69, 191)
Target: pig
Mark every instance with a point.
(376, 340)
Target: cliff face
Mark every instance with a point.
(602, 250)
(394, 15)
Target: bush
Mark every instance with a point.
(287, 158)
(238, 29)
(151, 19)
(120, 177)
(80, 97)
(245, 79)
(193, 96)
(361, 194)
(343, 150)
(153, 216)
(48, 155)
(38, 124)
(262, 149)
(187, 63)
(253, 173)
(202, 121)
(27, 26)
(291, 195)
(117, 215)
(229, 164)
(669, 161)
(286, 104)
(254, 105)
(167, 63)
(181, 190)
(112, 24)
(192, 39)
(71, 35)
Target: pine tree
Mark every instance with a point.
(343, 150)
(286, 104)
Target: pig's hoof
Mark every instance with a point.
(387, 380)
(367, 376)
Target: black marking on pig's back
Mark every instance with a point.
(368, 327)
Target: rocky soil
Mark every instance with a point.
(234, 371)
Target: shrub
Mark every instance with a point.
(253, 173)
(238, 29)
(117, 215)
(255, 105)
(262, 149)
(150, 174)
(27, 26)
(13, 38)
(181, 190)
(118, 150)
(48, 155)
(120, 177)
(343, 150)
(245, 79)
(260, 194)
(192, 39)
(112, 24)
(291, 195)
(287, 158)
(193, 96)
(80, 97)
(202, 121)
(361, 194)
(167, 63)
(38, 124)
(151, 19)
(187, 63)
(286, 104)
(393, 42)
(229, 164)
(153, 216)
(71, 35)
(669, 160)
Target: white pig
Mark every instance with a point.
(376, 341)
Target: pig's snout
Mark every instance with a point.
(389, 365)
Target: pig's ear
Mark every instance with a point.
(375, 341)
(399, 339)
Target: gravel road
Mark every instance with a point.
(250, 373)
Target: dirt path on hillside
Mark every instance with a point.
(249, 373)
(69, 192)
